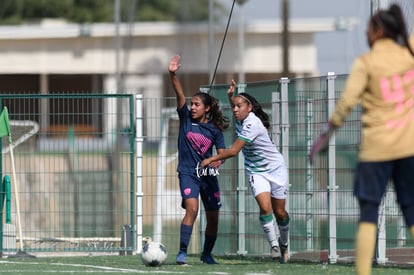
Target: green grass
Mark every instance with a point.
(132, 265)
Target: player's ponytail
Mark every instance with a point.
(217, 116)
(396, 12)
(394, 26)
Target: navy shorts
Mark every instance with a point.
(371, 181)
(206, 187)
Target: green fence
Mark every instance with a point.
(97, 173)
(74, 172)
(324, 213)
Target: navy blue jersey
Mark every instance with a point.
(195, 141)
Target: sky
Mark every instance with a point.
(336, 50)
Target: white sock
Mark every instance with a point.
(268, 225)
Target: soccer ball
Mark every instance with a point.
(153, 253)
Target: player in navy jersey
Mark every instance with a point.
(200, 130)
(265, 168)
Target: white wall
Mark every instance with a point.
(61, 49)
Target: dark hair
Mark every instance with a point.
(256, 108)
(393, 23)
(215, 114)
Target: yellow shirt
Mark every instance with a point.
(383, 81)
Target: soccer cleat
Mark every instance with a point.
(181, 258)
(208, 259)
(284, 255)
(275, 253)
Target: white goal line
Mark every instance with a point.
(72, 239)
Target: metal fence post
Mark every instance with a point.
(139, 173)
(126, 240)
(382, 233)
(241, 194)
(401, 233)
(309, 178)
(332, 187)
(276, 129)
(284, 116)
(284, 81)
(276, 125)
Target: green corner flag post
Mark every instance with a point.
(5, 131)
(5, 124)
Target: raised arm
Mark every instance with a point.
(230, 92)
(173, 68)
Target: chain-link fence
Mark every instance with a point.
(98, 173)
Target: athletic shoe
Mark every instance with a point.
(284, 254)
(275, 253)
(208, 259)
(181, 258)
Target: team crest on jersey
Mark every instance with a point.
(199, 142)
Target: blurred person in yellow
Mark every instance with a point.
(382, 80)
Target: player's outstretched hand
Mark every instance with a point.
(215, 164)
(322, 141)
(205, 162)
(232, 88)
(174, 63)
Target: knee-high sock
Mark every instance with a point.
(209, 241)
(365, 246)
(268, 225)
(284, 230)
(185, 235)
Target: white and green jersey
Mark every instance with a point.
(260, 153)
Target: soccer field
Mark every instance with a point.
(133, 265)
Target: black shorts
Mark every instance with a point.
(206, 187)
(371, 180)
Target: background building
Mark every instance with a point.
(58, 57)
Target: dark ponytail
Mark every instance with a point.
(393, 23)
(395, 11)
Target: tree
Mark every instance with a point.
(90, 11)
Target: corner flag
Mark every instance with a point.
(5, 124)
(5, 131)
